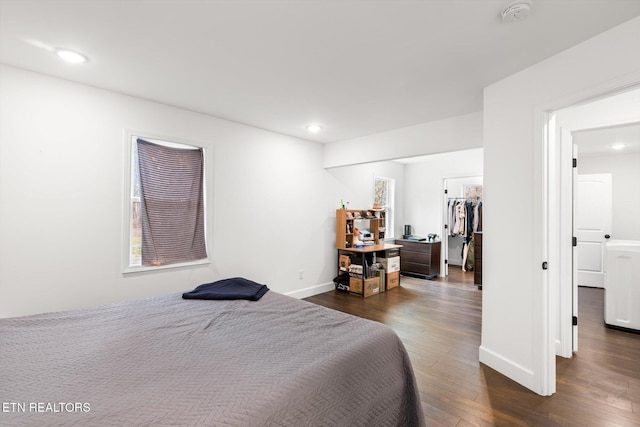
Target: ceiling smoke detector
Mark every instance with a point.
(516, 11)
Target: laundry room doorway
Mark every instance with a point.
(579, 193)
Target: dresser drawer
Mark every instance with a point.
(415, 257)
(412, 267)
(413, 246)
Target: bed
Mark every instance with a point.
(167, 361)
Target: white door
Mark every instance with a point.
(592, 224)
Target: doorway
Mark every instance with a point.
(566, 126)
(464, 193)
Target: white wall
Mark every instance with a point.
(442, 136)
(424, 204)
(613, 110)
(456, 186)
(62, 180)
(625, 175)
(517, 311)
(419, 199)
(425, 180)
(451, 147)
(357, 184)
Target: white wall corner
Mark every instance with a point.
(311, 291)
(523, 331)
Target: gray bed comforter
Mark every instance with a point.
(167, 361)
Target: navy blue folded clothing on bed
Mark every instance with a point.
(234, 288)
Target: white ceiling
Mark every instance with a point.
(591, 143)
(355, 67)
(598, 142)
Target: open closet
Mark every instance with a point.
(463, 225)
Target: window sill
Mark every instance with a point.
(146, 269)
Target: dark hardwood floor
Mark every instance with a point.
(439, 322)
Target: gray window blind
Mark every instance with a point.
(172, 204)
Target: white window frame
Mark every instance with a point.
(131, 137)
(390, 207)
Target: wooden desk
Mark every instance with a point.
(373, 248)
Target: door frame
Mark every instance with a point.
(567, 272)
(561, 194)
(574, 249)
(444, 265)
(547, 298)
(560, 226)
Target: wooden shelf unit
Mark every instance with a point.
(374, 221)
(346, 220)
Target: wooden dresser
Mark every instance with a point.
(419, 258)
(477, 259)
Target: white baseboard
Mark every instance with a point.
(518, 373)
(313, 290)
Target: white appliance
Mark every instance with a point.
(365, 235)
(622, 284)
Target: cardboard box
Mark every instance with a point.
(371, 286)
(391, 265)
(345, 261)
(355, 285)
(383, 280)
(393, 280)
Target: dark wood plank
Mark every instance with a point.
(439, 322)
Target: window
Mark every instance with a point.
(166, 204)
(383, 193)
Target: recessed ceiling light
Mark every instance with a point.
(618, 146)
(314, 128)
(71, 56)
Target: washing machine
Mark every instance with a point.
(622, 284)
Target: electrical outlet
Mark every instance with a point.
(300, 274)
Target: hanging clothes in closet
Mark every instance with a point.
(464, 218)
